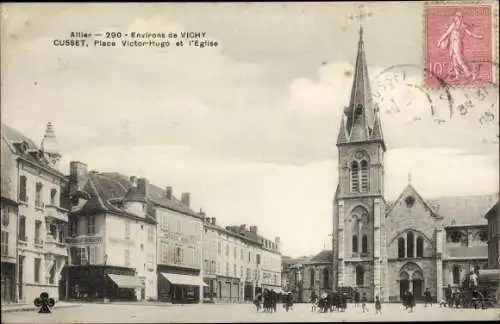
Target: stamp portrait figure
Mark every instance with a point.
(453, 39)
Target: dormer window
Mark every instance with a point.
(455, 236)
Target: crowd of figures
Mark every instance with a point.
(268, 300)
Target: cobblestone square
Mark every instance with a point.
(236, 313)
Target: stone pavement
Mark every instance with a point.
(9, 308)
(234, 313)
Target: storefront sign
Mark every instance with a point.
(83, 240)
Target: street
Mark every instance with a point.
(209, 313)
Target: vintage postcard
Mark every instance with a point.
(249, 162)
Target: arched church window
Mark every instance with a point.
(409, 245)
(364, 244)
(355, 244)
(401, 247)
(354, 176)
(456, 274)
(326, 278)
(420, 247)
(365, 184)
(360, 276)
(312, 277)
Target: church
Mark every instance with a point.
(383, 248)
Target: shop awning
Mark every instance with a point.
(178, 279)
(123, 281)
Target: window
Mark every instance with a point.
(5, 242)
(258, 259)
(409, 245)
(248, 274)
(38, 228)
(151, 234)
(311, 277)
(52, 274)
(38, 197)
(249, 257)
(354, 177)
(227, 268)
(91, 225)
(73, 256)
(456, 274)
(326, 278)
(219, 248)
(38, 262)
(455, 236)
(235, 252)
(241, 254)
(364, 176)
(127, 229)
(22, 228)
(84, 259)
(73, 228)
(234, 270)
(420, 247)
(483, 236)
(178, 255)
(355, 244)
(401, 247)
(360, 276)
(92, 254)
(227, 249)
(364, 244)
(22, 189)
(127, 257)
(53, 195)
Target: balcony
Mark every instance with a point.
(38, 242)
(55, 212)
(54, 247)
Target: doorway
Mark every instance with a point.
(418, 284)
(404, 283)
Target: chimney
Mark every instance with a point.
(213, 221)
(185, 198)
(201, 213)
(243, 227)
(207, 220)
(78, 174)
(142, 185)
(253, 229)
(168, 192)
(133, 181)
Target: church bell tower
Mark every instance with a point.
(359, 206)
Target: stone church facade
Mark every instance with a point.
(383, 248)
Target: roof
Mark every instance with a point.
(133, 194)
(463, 210)
(12, 137)
(324, 256)
(118, 184)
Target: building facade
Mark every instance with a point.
(383, 248)
(302, 276)
(111, 237)
(40, 252)
(179, 249)
(238, 262)
(493, 218)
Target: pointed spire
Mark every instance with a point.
(377, 133)
(360, 102)
(342, 137)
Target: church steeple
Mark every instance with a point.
(50, 146)
(360, 115)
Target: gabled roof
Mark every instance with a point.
(410, 190)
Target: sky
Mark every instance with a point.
(248, 127)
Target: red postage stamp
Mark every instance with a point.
(458, 44)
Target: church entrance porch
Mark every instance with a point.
(411, 279)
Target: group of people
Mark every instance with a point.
(269, 298)
(408, 300)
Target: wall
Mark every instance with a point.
(10, 212)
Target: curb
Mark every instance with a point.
(32, 309)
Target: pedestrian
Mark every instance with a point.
(363, 303)
(404, 299)
(356, 298)
(378, 306)
(410, 301)
(427, 297)
(449, 294)
(314, 300)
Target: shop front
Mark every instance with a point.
(102, 282)
(179, 288)
(8, 283)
